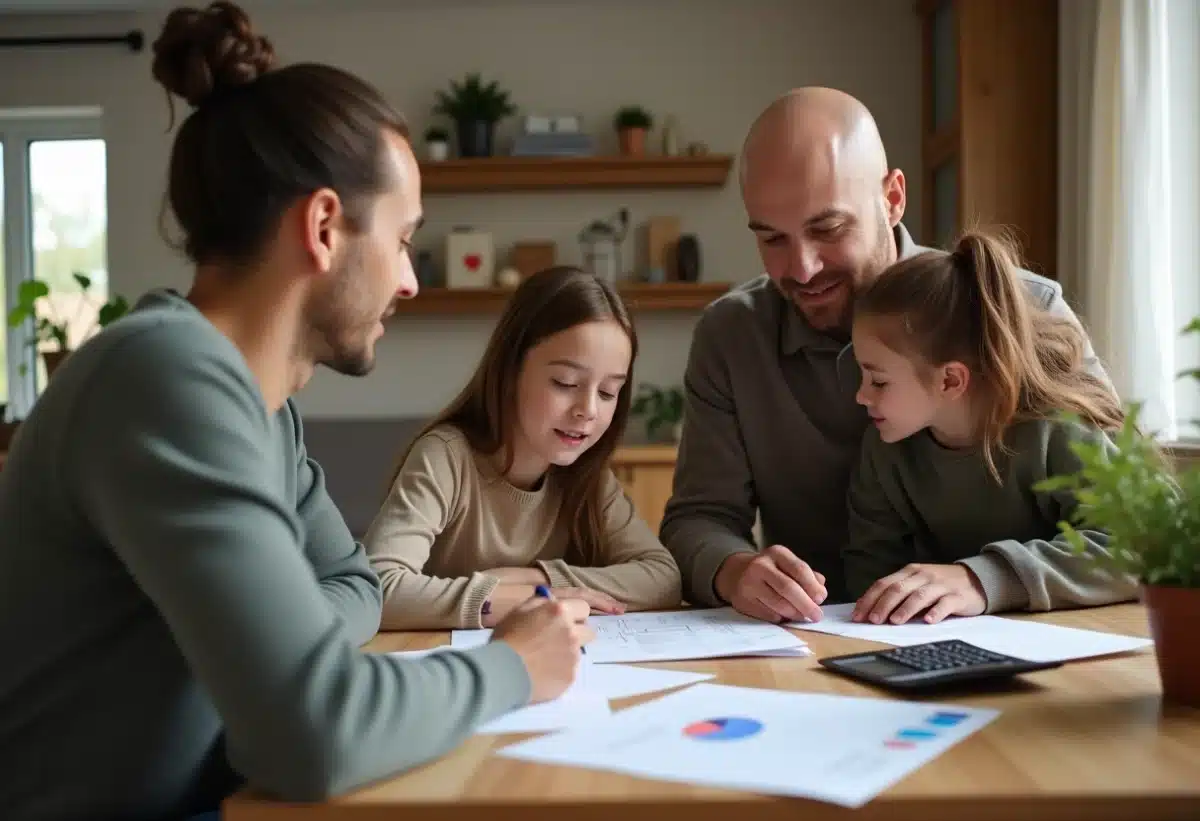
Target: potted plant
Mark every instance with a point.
(48, 328)
(632, 122)
(437, 143)
(474, 108)
(661, 407)
(1152, 516)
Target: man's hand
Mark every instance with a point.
(942, 590)
(774, 586)
(548, 635)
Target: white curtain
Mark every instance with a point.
(1130, 233)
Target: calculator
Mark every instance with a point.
(931, 665)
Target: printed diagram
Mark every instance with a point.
(683, 634)
(657, 629)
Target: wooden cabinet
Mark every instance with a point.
(646, 472)
(990, 122)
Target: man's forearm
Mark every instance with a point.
(701, 546)
(357, 602)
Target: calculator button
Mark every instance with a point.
(944, 655)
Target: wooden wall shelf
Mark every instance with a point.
(507, 174)
(638, 297)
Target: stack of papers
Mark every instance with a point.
(746, 738)
(673, 636)
(751, 739)
(1023, 639)
(654, 636)
(586, 700)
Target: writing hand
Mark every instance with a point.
(773, 585)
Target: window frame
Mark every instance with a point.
(19, 129)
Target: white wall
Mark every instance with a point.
(712, 63)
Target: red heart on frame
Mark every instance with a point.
(472, 261)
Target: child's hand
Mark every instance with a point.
(597, 601)
(941, 589)
(509, 595)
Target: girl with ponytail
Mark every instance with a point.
(968, 385)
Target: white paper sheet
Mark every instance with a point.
(1030, 640)
(752, 739)
(574, 710)
(586, 700)
(670, 636)
(624, 681)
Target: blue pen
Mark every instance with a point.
(544, 592)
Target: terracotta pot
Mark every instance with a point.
(53, 359)
(1174, 613)
(633, 141)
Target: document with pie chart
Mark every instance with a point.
(839, 749)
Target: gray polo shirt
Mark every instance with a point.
(771, 427)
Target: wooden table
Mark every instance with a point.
(1090, 740)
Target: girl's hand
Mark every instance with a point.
(942, 590)
(599, 602)
(507, 597)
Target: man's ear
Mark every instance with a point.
(955, 379)
(895, 196)
(322, 220)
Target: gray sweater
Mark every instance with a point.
(916, 501)
(771, 428)
(181, 604)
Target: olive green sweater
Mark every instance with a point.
(181, 604)
(916, 501)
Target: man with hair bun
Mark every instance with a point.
(181, 604)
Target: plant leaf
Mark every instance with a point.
(31, 290)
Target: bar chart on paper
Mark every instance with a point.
(674, 636)
(746, 738)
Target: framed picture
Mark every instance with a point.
(470, 259)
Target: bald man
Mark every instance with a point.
(771, 425)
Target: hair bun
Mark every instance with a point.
(201, 51)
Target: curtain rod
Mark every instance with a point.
(134, 40)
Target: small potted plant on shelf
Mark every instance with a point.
(632, 122)
(1152, 516)
(661, 408)
(51, 330)
(475, 108)
(437, 143)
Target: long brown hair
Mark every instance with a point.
(970, 305)
(259, 136)
(547, 303)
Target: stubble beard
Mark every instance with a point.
(338, 327)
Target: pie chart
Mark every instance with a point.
(723, 729)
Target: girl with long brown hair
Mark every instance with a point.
(975, 394)
(510, 486)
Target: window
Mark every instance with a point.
(53, 226)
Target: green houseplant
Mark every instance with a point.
(661, 408)
(474, 107)
(632, 122)
(51, 330)
(1152, 516)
